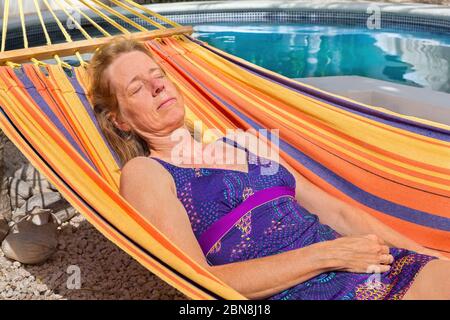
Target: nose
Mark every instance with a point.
(157, 87)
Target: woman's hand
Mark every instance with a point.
(361, 254)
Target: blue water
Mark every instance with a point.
(413, 58)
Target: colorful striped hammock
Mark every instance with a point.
(395, 167)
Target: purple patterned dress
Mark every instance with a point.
(278, 226)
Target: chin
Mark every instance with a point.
(174, 115)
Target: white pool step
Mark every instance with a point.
(419, 102)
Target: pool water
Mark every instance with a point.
(413, 58)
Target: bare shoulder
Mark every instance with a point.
(143, 171)
(140, 163)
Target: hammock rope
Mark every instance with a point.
(95, 7)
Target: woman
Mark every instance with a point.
(309, 246)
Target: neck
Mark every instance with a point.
(162, 146)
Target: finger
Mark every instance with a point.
(384, 249)
(378, 268)
(384, 268)
(380, 240)
(386, 259)
(373, 237)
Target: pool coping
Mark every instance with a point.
(404, 17)
(423, 10)
(172, 10)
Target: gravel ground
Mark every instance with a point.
(106, 272)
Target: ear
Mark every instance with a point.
(119, 123)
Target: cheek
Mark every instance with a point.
(140, 112)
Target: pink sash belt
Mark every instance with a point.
(219, 228)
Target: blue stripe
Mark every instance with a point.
(82, 96)
(31, 89)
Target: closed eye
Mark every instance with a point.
(159, 75)
(136, 90)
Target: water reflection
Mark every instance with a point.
(412, 58)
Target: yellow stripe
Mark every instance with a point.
(87, 130)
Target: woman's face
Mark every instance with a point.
(149, 102)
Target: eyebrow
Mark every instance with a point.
(137, 76)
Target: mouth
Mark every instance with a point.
(166, 103)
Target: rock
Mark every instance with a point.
(47, 200)
(28, 173)
(8, 294)
(20, 188)
(34, 178)
(41, 216)
(5, 200)
(64, 215)
(41, 287)
(4, 229)
(30, 243)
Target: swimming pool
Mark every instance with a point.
(415, 58)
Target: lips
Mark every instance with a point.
(166, 103)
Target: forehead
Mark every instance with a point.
(127, 65)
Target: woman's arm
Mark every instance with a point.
(150, 189)
(145, 185)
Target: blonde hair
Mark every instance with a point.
(127, 144)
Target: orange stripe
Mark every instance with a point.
(92, 150)
(36, 80)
